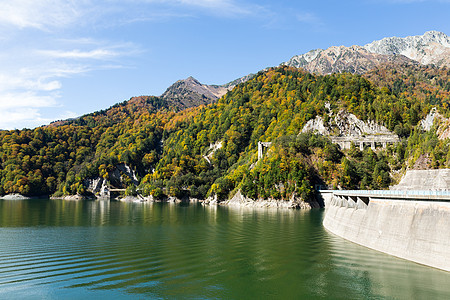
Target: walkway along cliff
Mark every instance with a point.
(410, 224)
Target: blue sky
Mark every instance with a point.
(63, 58)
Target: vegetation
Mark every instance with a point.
(171, 151)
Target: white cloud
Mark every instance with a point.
(22, 80)
(32, 81)
(28, 117)
(224, 7)
(44, 41)
(18, 118)
(78, 54)
(48, 15)
(11, 117)
(309, 18)
(41, 14)
(27, 99)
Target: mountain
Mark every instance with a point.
(431, 48)
(158, 145)
(339, 59)
(146, 144)
(190, 92)
(183, 94)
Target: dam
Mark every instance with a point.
(409, 224)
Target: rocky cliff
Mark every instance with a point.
(431, 48)
(339, 59)
(344, 123)
(190, 92)
(442, 124)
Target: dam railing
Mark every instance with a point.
(433, 195)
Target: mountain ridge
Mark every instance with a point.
(432, 47)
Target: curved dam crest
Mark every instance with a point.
(418, 231)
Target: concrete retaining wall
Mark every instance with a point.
(414, 230)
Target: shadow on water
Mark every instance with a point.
(53, 248)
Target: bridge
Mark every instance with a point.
(345, 142)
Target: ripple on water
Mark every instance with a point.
(168, 251)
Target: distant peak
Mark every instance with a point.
(434, 32)
(433, 47)
(190, 79)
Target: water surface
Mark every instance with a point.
(73, 249)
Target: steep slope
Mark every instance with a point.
(431, 48)
(354, 59)
(190, 92)
(183, 94)
(167, 149)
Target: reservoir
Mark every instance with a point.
(51, 249)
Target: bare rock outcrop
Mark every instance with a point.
(345, 124)
(339, 59)
(97, 186)
(425, 180)
(433, 47)
(442, 124)
(14, 197)
(240, 200)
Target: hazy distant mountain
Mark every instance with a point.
(431, 48)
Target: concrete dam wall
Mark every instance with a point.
(414, 230)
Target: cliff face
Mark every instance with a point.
(119, 177)
(433, 47)
(344, 124)
(442, 124)
(190, 93)
(354, 59)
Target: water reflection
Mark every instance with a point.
(112, 249)
(384, 275)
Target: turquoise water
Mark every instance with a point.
(52, 249)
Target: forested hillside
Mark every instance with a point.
(212, 150)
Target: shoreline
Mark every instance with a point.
(238, 200)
